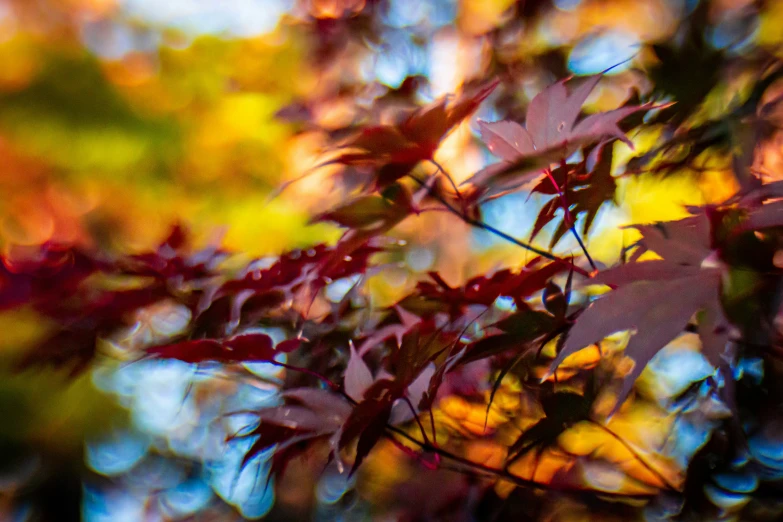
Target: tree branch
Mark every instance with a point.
(499, 233)
(471, 466)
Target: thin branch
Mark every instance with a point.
(636, 455)
(507, 475)
(416, 416)
(499, 233)
(472, 465)
(412, 453)
(451, 181)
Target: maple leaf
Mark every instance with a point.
(367, 421)
(258, 289)
(657, 298)
(270, 434)
(365, 212)
(481, 290)
(769, 215)
(358, 376)
(287, 427)
(173, 261)
(393, 150)
(436, 379)
(520, 332)
(585, 189)
(250, 347)
(561, 411)
(47, 273)
(551, 133)
(396, 330)
(80, 320)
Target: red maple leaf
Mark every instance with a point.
(393, 150)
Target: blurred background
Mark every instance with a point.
(119, 118)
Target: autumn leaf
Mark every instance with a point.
(286, 427)
(249, 347)
(396, 330)
(551, 133)
(357, 376)
(48, 272)
(656, 299)
(586, 187)
(367, 422)
(393, 150)
(481, 290)
(562, 410)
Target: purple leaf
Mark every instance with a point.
(655, 270)
(766, 216)
(544, 118)
(683, 242)
(240, 348)
(368, 420)
(418, 387)
(604, 125)
(332, 409)
(289, 345)
(506, 139)
(549, 136)
(658, 311)
(397, 331)
(357, 376)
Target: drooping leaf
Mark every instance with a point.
(482, 290)
(554, 300)
(407, 322)
(520, 331)
(332, 408)
(51, 272)
(451, 361)
(368, 420)
(372, 211)
(585, 189)
(270, 434)
(551, 133)
(562, 410)
(291, 427)
(393, 150)
(658, 311)
(358, 377)
(240, 348)
(256, 288)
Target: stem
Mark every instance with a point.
(416, 416)
(451, 181)
(334, 386)
(504, 474)
(499, 233)
(411, 453)
(633, 452)
(472, 466)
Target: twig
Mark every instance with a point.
(489, 228)
(507, 475)
(472, 465)
(633, 452)
(416, 416)
(451, 181)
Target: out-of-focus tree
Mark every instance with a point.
(369, 259)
